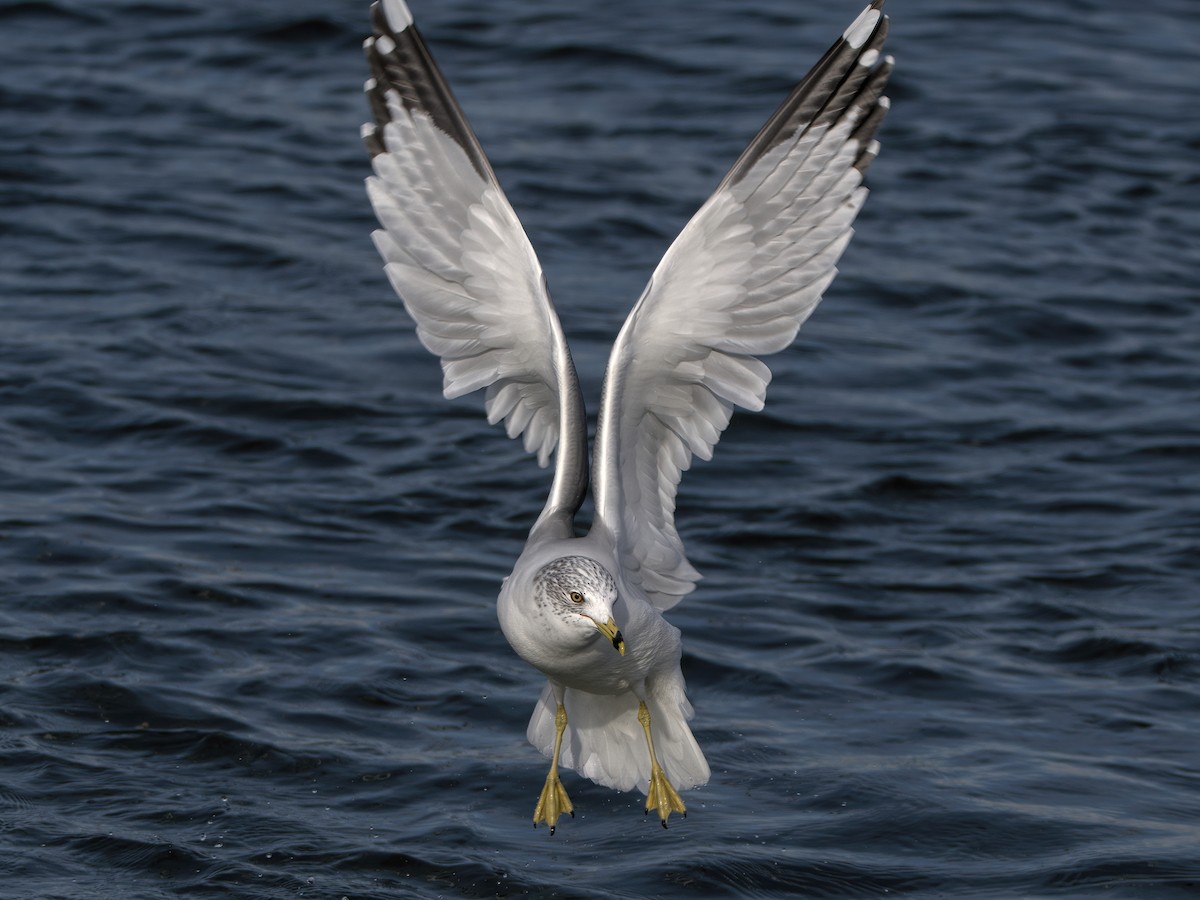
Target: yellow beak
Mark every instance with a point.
(610, 630)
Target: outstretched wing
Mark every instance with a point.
(459, 258)
(737, 283)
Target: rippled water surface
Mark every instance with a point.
(948, 643)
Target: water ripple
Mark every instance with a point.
(947, 642)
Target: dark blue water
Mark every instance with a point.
(949, 639)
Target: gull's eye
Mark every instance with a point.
(576, 597)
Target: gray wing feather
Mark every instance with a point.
(460, 261)
(737, 283)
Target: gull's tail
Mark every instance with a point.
(605, 742)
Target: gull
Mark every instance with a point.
(586, 609)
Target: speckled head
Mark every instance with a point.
(579, 591)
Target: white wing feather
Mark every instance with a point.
(454, 249)
(736, 284)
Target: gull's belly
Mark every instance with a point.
(599, 669)
(606, 678)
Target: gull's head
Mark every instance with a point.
(581, 593)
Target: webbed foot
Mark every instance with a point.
(660, 795)
(552, 803)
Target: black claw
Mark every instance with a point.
(685, 815)
(572, 814)
(664, 824)
(551, 831)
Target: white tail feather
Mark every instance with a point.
(604, 740)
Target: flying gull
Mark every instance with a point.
(737, 283)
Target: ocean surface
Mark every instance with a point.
(948, 641)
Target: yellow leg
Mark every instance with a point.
(554, 800)
(660, 795)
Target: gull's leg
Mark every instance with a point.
(554, 800)
(660, 795)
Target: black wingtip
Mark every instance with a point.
(403, 67)
(829, 91)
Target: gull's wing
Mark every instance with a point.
(736, 284)
(460, 260)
